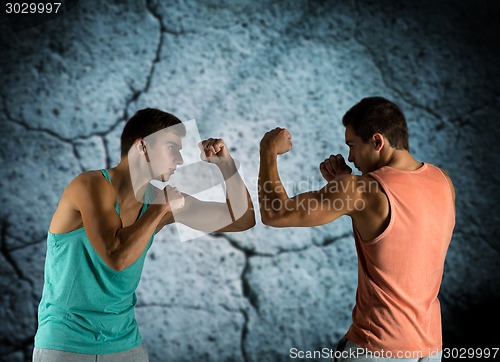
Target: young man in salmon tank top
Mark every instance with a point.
(102, 229)
(403, 215)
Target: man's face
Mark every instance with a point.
(363, 155)
(164, 153)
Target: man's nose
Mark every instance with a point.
(350, 158)
(179, 160)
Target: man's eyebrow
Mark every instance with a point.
(175, 144)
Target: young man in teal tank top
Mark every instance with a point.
(403, 215)
(101, 231)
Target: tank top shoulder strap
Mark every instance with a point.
(147, 198)
(143, 210)
(105, 173)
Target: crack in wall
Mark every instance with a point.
(246, 289)
(248, 292)
(330, 241)
(57, 136)
(136, 93)
(21, 242)
(69, 141)
(25, 125)
(72, 142)
(481, 235)
(77, 156)
(380, 66)
(6, 254)
(107, 153)
(270, 53)
(464, 119)
(25, 345)
(157, 57)
(186, 307)
(50, 133)
(210, 310)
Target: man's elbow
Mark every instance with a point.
(116, 260)
(248, 221)
(250, 224)
(273, 219)
(242, 224)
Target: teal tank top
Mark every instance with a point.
(87, 307)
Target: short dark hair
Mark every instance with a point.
(378, 115)
(145, 122)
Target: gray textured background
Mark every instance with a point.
(240, 68)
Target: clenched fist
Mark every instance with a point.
(169, 197)
(214, 150)
(174, 198)
(278, 141)
(333, 167)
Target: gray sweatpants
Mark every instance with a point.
(137, 354)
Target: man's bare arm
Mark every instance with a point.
(236, 214)
(118, 246)
(312, 208)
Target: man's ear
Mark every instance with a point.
(378, 141)
(140, 145)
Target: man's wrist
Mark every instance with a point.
(268, 155)
(160, 209)
(226, 164)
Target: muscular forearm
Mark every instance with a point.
(238, 198)
(130, 241)
(272, 193)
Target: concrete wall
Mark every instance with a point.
(241, 68)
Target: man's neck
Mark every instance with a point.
(401, 160)
(121, 180)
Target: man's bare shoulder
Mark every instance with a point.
(89, 183)
(366, 188)
(341, 185)
(354, 184)
(88, 178)
(369, 184)
(88, 188)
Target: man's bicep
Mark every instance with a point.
(306, 209)
(316, 208)
(201, 215)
